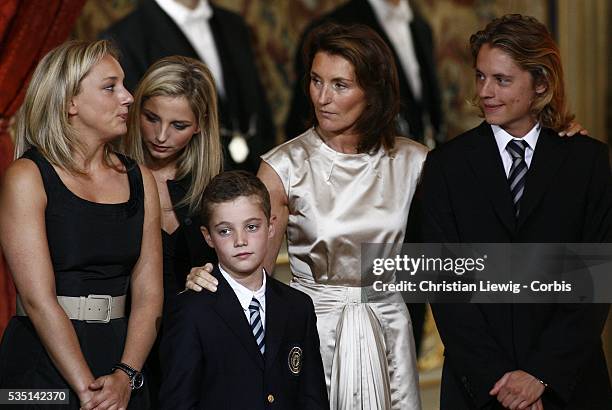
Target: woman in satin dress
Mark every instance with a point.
(346, 181)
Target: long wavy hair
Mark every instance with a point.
(42, 120)
(533, 49)
(201, 159)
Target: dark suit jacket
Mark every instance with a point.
(148, 34)
(210, 359)
(360, 12)
(567, 198)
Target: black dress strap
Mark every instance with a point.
(135, 180)
(47, 172)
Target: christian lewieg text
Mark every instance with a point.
(481, 286)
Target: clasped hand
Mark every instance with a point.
(109, 392)
(518, 390)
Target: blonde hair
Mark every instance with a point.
(532, 47)
(178, 76)
(42, 120)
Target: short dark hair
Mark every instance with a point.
(230, 185)
(532, 48)
(376, 74)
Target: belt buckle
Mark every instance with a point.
(109, 300)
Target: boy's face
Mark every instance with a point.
(239, 232)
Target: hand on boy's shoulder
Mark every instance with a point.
(200, 277)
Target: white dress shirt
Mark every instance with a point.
(395, 20)
(195, 25)
(245, 295)
(502, 138)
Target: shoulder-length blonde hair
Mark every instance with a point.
(533, 49)
(201, 159)
(42, 121)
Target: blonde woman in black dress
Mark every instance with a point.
(80, 230)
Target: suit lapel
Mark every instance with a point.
(167, 35)
(487, 165)
(276, 318)
(230, 114)
(367, 16)
(229, 309)
(420, 42)
(549, 154)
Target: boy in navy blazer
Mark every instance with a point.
(253, 344)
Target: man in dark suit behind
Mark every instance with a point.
(220, 38)
(252, 344)
(414, 56)
(512, 179)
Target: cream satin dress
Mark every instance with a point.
(337, 202)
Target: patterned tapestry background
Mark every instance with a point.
(277, 24)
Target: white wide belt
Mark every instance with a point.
(91, 309)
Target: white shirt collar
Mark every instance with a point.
(387, 11)
(181, 14)
(244, 294)
(502, 138)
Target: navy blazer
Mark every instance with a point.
(210, 359)
(465, 197)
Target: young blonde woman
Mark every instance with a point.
(79, 228)
(173, 130)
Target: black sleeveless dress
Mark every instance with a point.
(93, 248)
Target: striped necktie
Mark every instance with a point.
(518, 172)
(257, 325)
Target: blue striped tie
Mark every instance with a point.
(518, 172)
(257, 324)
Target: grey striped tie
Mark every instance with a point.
(518, 172)
(257, 325)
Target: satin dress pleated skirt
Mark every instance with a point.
(337, 203)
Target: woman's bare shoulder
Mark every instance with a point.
(22, 180)
(22, 171)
